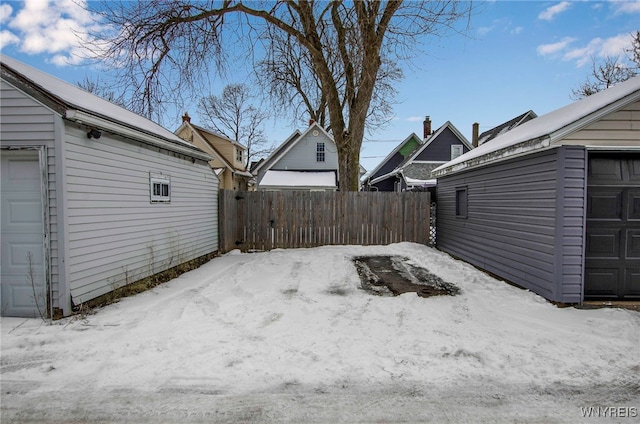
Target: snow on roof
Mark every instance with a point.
(299, 179)
(423, 183)
(544, 130)
(75, 97)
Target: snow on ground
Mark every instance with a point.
(288, 336)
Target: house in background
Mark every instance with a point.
(479, 140)
(305, 161)
(390, 163)
(228, 156)
(93, 196)
(414, 171)
(553, 205)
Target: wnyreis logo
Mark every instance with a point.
(609, 411)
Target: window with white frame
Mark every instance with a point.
(320, 152)
(160, 188)
(456, 150)
(238, 154)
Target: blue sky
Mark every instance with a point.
(516, 56)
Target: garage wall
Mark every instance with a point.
(523, 220)
(620, 128)
(115, 234)
(27, 123)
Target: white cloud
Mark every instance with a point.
(415, 119)
(551, 12)
(5, 11)
(517, 30)
(597, 47)
(626, 6)
(58, 28)
(482, 31)
(554, 48)
(8, 38)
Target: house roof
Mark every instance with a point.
(412, 136)
(206, 131)
(308, 179)
(279, 151)
(284, 148)
(434, 136)
(203, 133)
(422, 167)
(542, 132)
(76, 104)
(504, 127)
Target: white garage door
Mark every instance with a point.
(22, 266)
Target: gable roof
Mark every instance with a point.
(288, 144)
(202, 134)
(542, 132)
(412, 136)
(435, 135)
(506, 126)
(76, 104)
(409, 160)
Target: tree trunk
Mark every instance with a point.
(349, 165)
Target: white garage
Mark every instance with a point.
(94, 197)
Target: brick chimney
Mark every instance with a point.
(186, 117)
(312, 121)
(427, 127)
(475, 132)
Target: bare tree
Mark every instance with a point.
(610, 70)
(101, 89)
(234, 115)
(160, 41)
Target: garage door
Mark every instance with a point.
(22, 265)
(612, 266)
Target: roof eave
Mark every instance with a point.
(519, 149)
(85, 118)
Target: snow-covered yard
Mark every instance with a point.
(288, 336)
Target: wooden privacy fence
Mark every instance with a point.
(264, 220)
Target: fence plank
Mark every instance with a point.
(291, 219)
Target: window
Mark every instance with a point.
(160, 187)
(238, 155)
(461, 202)
(456, 150)
(320, 152)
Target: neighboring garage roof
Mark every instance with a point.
(298, 179)
(541, 132)
(76, 104)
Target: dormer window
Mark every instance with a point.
(320, 152)
(238, 154)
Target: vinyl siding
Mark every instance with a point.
(440, 148)
(116, 235)
(25, 122)
(302, 156)
(525, 221)
(620, 128)
(571, 223)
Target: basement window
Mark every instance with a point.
(461, 202)
(160, 187)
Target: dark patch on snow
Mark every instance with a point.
(393, 275)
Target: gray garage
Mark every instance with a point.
(554, 204)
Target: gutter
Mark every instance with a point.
(117, 128)
(510, 152)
